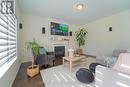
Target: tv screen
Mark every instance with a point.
(59, 29)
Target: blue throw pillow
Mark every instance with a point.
(42, 50)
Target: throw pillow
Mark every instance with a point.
(42, 50)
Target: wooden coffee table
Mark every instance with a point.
(73, 61)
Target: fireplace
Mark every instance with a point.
(59, 51)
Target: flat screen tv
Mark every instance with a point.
(59, 29)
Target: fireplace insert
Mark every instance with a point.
(59, 51)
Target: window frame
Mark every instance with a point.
(5, 67)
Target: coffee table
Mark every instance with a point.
(73, 61)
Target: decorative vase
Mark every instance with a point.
(71, 53)
(79, 51)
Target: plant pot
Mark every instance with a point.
(32, 71)
(79, 51)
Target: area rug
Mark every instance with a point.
(61, 76)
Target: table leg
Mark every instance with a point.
(63, 61)
(70, 65)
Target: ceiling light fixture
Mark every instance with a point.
(79, 6)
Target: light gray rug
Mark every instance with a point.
(60, 76)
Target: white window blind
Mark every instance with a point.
(8, 38)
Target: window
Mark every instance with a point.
(8, 39)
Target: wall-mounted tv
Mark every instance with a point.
(59, 29)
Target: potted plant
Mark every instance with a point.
(80, 38)
(34, 47)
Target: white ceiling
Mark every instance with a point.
(65, 10)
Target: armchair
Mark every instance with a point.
(45, 58)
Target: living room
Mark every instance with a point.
(105, 26)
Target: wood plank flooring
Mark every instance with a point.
(22, 80)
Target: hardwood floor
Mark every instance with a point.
(22, 80)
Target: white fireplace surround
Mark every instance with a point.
(60, 41)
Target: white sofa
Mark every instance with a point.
(100, 58)
(107, 77)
